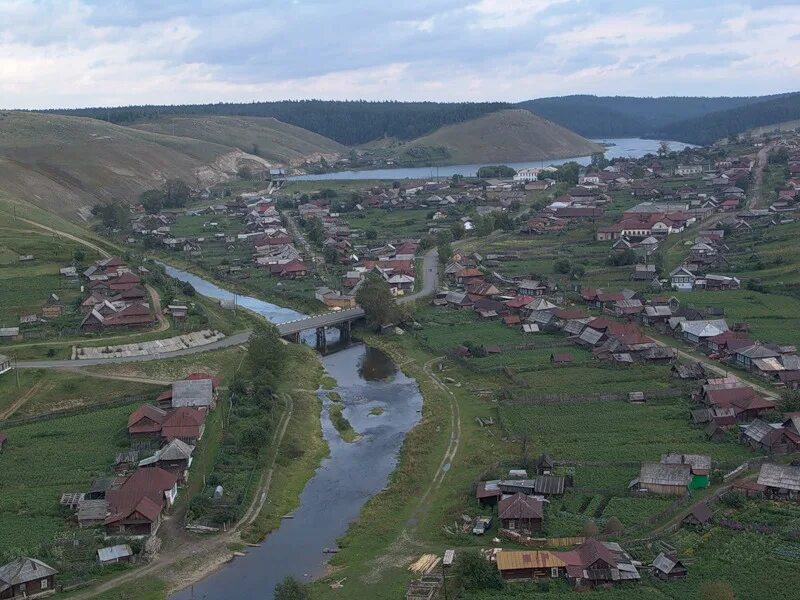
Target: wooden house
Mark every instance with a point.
(667, 566)
(136, 507)
(521, 512)
(781, 482)
(26, 578)
(699, 516)
(663, 479)
(527, 565)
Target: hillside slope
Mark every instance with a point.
(620, 116)
(272, 140)
(504, 136)
(65, 164)
(715, 126)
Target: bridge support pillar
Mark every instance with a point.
(322, 341)
(344, 332)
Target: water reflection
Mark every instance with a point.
(376, 365)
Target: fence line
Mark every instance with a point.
(65, 412)
(539, 399)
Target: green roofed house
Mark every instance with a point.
(700, 467)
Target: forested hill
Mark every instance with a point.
(718, 125)
(349, 123)
(618, 116)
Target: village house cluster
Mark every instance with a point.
(116, 298)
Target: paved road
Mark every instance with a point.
(430, 277)
(233, 340)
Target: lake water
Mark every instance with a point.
(353, 472)
(621, 148)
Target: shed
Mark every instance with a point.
(115, 554)
(636, 397)
(92, 513)
(699, 516)
(780, 481)
(664, 479)
(561, 358)
(667, 566)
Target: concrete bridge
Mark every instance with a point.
(341, 319)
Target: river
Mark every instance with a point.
(353, 472)
(617, 148)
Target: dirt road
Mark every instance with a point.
(69, 236)
(757, 190)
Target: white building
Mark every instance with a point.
(526, 175)
(688, 170)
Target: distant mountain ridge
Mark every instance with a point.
(687, 119)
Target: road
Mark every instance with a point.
(232, 340)
(430, 277)
(757, 191)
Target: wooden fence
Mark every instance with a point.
(540, 399)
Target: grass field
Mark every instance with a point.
(46, 458)
(45, 390)
(390, 225)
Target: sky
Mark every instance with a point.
(73, 53)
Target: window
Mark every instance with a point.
(21, 587)
(43, 583)
(554, 572)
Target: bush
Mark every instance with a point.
(732, 499)
(562, 265)
(476, 573)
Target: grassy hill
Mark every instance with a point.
(272, 140)
(503, 136)
(65, 164)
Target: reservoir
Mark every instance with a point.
(617, 148)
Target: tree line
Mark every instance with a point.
(347, 122)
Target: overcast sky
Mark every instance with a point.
(68, 53)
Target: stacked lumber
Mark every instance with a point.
(424, 564)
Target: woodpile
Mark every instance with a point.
(424, 564)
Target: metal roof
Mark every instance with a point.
(198, 392)
(114, 552)
(664, 474)
(526, 559)
(780, 476)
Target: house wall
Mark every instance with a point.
(665, 490)
(30, 588)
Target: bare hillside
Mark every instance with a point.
(276, 142)
(64, 164)
(505, 136)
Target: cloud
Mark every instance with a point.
(98, 52)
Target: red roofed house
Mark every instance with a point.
(135, 508)
(124, 281)
(146, 421)
(184, 423)
(292, 269)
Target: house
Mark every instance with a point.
(700, 467)
(145, 421)
(596, 563)
(458, 300)
(185, 423)
(115, 554)
(682, 278)
(689, 170)
(197, 393)
(775, 439)
(135, 508)
(528, 287)
(696, 332)
(663, 479)
(746, 356)
(781, 482)
(175, 457)
(700, 516)
(26, 578)
(667, 566)
(529, 565)
(520, 512)
(178, 311)
(690, 370)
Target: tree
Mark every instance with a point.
(562, 265)
(790, 401)
(152, 200)
(577, 271)
(476, 573)
(663, 148)
(176, 193)
(371, 234)
(330, 255)
(113, 215)
(590, 529)
(266, 357)
(717, 590)
(567, 173)
(291, 589)
(244, 172)
(376, 299)
(316, 231)
(614, 525)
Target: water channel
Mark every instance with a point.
(616, 148)
(352, 473)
